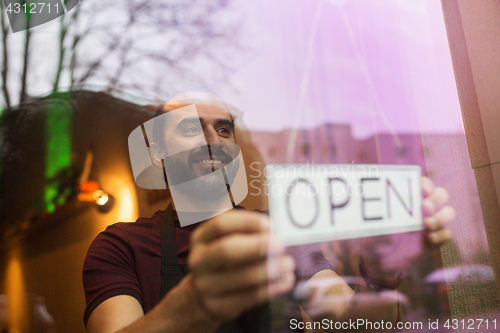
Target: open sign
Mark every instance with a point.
(315, 203)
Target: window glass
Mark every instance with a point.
(343, 85)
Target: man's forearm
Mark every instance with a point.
(178, 311)
(335, 300)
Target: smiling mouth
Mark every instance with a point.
(212, 163)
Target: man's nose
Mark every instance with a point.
(211, 135)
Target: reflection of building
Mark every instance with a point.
(334, 143)
(443, 157)
(326, 144)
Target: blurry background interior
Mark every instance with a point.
(323, 81)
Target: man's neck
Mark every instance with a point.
(186, 203)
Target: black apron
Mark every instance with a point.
(257, 320)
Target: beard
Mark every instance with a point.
(191, 175)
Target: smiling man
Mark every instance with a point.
(195, 147)
(168, 273)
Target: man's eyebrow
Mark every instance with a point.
(225, 122)
(196, 120)
(186, 121)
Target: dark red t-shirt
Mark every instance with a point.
(125, 259)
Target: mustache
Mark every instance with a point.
(221, 151)
(179, 172)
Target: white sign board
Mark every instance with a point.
(312, 203)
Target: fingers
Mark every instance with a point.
(236, 264)
(435, 201)
(231, 222)
(437, 213)
(437, 238)
(376, 306)
(230, 281)
(439, 220)
(234, 250)
(427, 186)
(436, 232)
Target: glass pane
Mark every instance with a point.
(334, 109)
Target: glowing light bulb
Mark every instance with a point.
(102, 200)
(100, 197)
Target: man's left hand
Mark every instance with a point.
(386, 256)
(437, 213)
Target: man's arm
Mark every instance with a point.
(114, 313)
(331, 298)
(177, 312)
(234, 265)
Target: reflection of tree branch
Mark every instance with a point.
(94, 65)
(187, 27)
(123, 64)
(112, 42)
(62, 36)
(24, 76)
(111, 48)
(77, 38)
(5, 60)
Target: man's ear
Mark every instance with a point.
(157, 154)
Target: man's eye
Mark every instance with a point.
(192, 130)
(223, 130)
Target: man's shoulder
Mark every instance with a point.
(140, 223)
(253, 210)
(143, 230)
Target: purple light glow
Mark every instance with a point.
(381, 66)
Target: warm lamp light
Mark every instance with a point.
(90, 192)
(102, 200)
(100, 197)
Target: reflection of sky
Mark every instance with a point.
(378, 65)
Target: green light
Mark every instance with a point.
(51, 207)
(58, 149)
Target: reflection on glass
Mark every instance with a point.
(322, 82)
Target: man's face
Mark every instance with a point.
(199, 141)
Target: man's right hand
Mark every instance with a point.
(235, 264)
